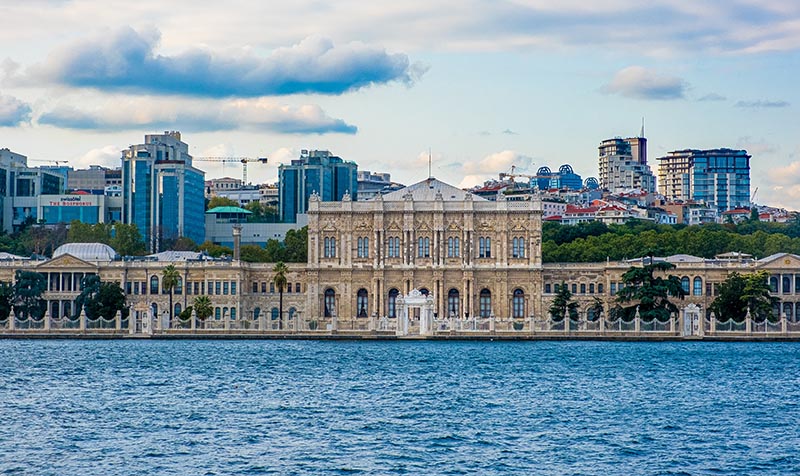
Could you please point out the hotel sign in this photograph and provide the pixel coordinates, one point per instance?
(72, 201)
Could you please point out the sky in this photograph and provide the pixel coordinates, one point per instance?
(476, 85)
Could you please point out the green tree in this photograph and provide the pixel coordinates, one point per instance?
(562, 304)
(296, 245)
(80, 232)
(184, 243)
(649, 292)
(215, 250)
(6, 299)
(261, 213)
(279, 279)
(756, 295)
(170, 278)
(127, 240)
(254, 254)
(215, 202)
(90, 288)
(202, 308)
(729, 303)
(28, 289)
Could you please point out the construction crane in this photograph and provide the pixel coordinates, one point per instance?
(753, 197)
(512, 174)
(229, 160)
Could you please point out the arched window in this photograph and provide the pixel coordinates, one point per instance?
(361, 303)
(773, 284)
(179, 286)
(292, 311)
(225, 312)
(392, 302)
(177, 309)
(484, 247)
(217, 313)
(424, 247)
(453, 303)
(787, 285)
(297, 287)
(256, 313)
(233, 313)
(274, 313)
(485, 302)
(685, 284)
(330, 302)
(153, 307)
(697, 286)
(450, 248)
(574, 288)
(518, 303)
(154, 284)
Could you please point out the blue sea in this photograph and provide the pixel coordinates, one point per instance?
(149, 407)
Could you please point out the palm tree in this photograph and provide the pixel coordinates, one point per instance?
(279, 279)
(169, 281)
(202, 307)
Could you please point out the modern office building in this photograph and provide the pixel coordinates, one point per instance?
(372, 184)
(718, 177)
(163, 193)
(316, 171)
(623, 165)
(20, 187)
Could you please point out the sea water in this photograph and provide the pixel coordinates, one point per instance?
(149, 407)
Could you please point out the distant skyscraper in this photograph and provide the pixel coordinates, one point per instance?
(623, 165)
(315, 171)
(163, 193)
(718, 177)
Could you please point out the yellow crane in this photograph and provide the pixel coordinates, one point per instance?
(229, 160)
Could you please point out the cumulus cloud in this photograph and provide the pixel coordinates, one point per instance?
(107, 156)
(643, 83)
(126, 60)
(475, 173)
(13, 112)
(251, 114)
(761, 104)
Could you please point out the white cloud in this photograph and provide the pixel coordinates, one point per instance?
(126, 113)
(643, 83)
(13, 112)
(107, 156)
(490, 167)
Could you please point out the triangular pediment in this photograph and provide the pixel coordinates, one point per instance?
(430, 190)
(780, 260)
(66, 261)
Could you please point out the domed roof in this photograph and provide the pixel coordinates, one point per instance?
(87, 251)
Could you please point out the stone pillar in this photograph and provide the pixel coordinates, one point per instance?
(237, 241)
(712, 325)
(47, 319)
(491, 323)
(118, 320)
(784, 324)
(193, 325)
(12, 317)
(82, 319)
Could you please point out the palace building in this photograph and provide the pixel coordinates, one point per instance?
(424, 259)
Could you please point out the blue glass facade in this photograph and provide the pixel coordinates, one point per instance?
(65, 214)
(315, 172)
(163, 193)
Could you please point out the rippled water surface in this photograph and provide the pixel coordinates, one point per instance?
(311, 407)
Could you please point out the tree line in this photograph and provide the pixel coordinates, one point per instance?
(596, 242)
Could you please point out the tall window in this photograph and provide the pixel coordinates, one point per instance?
(154, 284)
(362, 250)
(697, 286)
(484, 247)
(424, 247)
(393, 247)
(787, 284)
(179, 286)
(485, 302)
(685, 284)
(392, 302)
(453, 303)
(518, 303)
(453, 248)
(329, 248)
(330, 302)
(361, 302)
(518, 247)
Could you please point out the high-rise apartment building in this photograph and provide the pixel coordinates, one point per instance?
(623, 165)
(316, 171)
(718, 177)
(163, 193)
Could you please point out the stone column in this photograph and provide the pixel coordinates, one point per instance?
(12, 317)
(47, 319)
(118, 320)
(193, 325)
(82, 319)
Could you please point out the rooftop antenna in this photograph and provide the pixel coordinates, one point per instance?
(641, 134)
(429, 163)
